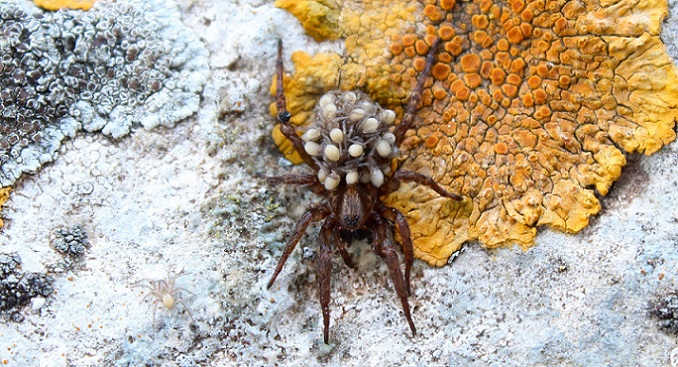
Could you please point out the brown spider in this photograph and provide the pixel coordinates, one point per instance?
(350, 146)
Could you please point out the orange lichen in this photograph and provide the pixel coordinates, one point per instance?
(64, 4)
(4, 196)
(529, 108)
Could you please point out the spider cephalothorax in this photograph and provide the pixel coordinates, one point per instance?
(350, 147)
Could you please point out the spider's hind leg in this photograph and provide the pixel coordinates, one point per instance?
(399, 219)
(325, 272)
(384, 246)
(403, 175)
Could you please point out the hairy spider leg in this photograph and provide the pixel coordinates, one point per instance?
(342, 250)
(155, 307)
(384, 246)
(284, 116)
(415, 98)
(188, 310)
(325, 273)
(292, 179)
(395, 216)
(404, 175)
(296, 179)
(313, 214)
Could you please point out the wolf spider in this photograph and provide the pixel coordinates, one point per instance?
(350, 146)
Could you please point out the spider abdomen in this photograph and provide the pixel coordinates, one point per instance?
(350, 139)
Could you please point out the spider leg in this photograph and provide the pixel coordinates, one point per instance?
(415, 98)
(412, 176)
(292, 179)
(155, 308)
(182, 289)
(384, 247)
(341, 246)
(324, 272)
(398, 218)
(145, 298)
(313, 214)
(187, 310)
(284, 116)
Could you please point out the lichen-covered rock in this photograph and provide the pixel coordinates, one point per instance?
(18, 288)
(64, 4)
(71, 243)
(530, 107)
(118, 64)
(4, 196)
(665, 310)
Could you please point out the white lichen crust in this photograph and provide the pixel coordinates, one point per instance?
(350, 139)
(121, 63)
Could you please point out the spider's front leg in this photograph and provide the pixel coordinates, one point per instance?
(314, 214)
(284, 116)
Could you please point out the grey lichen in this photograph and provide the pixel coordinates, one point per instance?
(18, 288)
(121, 63)
(665, 309)
(71, 243)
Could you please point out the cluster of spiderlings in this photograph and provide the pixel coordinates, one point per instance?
(120, 63)
(72, 243)
(350, 139)
(665, 309)
(16, 288)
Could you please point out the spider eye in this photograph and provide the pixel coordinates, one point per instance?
(351, 221)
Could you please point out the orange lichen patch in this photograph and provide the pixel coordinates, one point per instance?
(528, 113)
(440, 71)
(447, 4)
(64, 4)
(470, 63)
(4, 196)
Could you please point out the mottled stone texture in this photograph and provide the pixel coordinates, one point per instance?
(118, 64)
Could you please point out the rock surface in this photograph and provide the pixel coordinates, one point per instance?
(185, 198)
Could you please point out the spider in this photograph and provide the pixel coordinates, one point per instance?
(164, 291)
(349, 147)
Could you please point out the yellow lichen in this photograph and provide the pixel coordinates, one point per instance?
(529, 107)
(319, 18)
(64, 4)
(4, 196)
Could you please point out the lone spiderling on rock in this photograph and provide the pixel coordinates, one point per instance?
(166, 292)
(350, 147)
